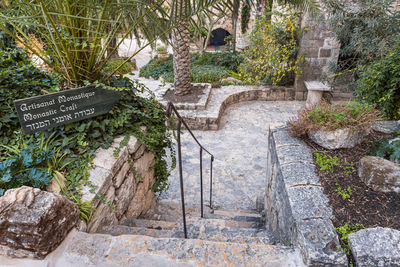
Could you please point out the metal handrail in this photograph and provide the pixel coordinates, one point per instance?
(171, 108)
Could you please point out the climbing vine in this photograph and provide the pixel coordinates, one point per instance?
(245, 15)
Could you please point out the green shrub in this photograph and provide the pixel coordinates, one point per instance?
(366, 33)
(387, 150)
(18, 79)
(379, 85)
(354, 115)
(76, 142)
(114, 64)
(27, 168)
(272, 53)
(208, 74)
(344, 232)
(325, 162)
(205, 68)
(157, 67)
(228, 60)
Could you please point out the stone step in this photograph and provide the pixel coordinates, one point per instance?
(171, 211)
(213, 233)
(131, 250)
(177, 224)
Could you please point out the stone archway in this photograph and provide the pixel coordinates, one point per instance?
(218, 36)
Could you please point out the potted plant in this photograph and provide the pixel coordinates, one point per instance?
(335, 126)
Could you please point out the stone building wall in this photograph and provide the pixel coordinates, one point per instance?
(320, 47)
(123, 184)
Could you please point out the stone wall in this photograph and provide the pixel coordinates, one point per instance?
(123, 184)
(296, 208)
(320, 46)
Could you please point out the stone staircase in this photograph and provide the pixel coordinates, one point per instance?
(221, 238)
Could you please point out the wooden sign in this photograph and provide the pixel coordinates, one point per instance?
(44, 112)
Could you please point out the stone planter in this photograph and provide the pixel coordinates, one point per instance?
(340, 138)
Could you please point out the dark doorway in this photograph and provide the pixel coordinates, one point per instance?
(218, 37)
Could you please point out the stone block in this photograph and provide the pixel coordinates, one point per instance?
(102, 180)
(300, 174)
(293, 154)
(105, 159)
(340, 138)
(376, 247)
(34, 222)
(104, 214)
(144, 163)
(308, 202)
(103, 217)
(139, 152)
(380, 174)
(299, 95)
(283, 137)
(319, 243)
(313, 98)
(386, 126)
(124, 194)
(133, 145)
(120, 176)
(135, 207)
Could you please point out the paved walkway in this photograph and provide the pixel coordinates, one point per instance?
(240, 150)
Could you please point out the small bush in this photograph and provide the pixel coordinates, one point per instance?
(157, 67)
(124, 69)
(272, 53)
(344, 232)
(205, 68)
(387, 150)
(325, 162)
(18, 79)
(228, 60)
(208, 74)
(354, 115)
(379, 85)
(27, 167)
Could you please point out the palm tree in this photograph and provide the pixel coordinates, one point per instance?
(181, 36)
(180, 44)
(181, 12)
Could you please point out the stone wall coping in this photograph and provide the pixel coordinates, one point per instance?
(307, 215)
(316, 86)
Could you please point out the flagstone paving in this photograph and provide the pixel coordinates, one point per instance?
(240, 150)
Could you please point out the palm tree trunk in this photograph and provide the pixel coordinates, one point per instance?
(235, 16)
(181, 56)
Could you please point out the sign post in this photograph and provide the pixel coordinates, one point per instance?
(41, 113)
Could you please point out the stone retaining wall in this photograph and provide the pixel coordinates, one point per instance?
(296, 208)
(276, 93)
(123, 184)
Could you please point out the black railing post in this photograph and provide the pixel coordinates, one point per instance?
(171, 108)
(211, 180)
(181, 175)
(201, 181)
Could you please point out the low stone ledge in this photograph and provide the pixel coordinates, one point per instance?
(122, 184)
(296, 207)
(376, 247)
(209, 119)
(199, 105)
